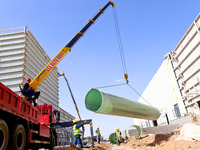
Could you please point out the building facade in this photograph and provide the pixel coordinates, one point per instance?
(175, 88)
(22, 57)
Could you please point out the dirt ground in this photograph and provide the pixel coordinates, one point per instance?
(154, 142)
(161, 141)
(151, 142)
(148, 142)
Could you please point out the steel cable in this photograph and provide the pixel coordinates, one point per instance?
(110, 86)
(119, 41)
(138, 94)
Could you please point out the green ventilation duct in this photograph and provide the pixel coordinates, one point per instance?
(104, 103)
(112, 138)
(138, 129)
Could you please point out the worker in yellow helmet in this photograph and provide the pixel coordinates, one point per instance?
(77, 132)
(118, 136)
(98, 135)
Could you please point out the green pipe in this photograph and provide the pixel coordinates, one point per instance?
(112, 138)
(104, 103)
(138, 129)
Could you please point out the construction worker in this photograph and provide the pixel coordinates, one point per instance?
(26, 86)
(29, 92)
(77, 132)
(118, 136)
(98, 135)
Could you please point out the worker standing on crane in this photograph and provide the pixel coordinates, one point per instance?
(29, 93)
(77, 132)
(118, 136)
(98, 135)
(26, 90)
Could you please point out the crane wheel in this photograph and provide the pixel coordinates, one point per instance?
(19, 137)
(4, 135)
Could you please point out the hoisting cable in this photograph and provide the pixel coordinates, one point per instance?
(120, 45)
(122, 54)
(110, 86)
(120, 50)
(122, 59)
(138, 93)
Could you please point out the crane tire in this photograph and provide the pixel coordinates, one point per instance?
(4, 135)
(19, 137)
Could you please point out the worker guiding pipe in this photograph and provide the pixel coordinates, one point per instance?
(105, 103)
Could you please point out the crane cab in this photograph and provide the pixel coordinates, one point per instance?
(47, 116)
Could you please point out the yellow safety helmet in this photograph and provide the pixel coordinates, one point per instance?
(74, 121)
(97, 127)
(117, 128)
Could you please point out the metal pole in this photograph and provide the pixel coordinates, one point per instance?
(63, 74)
(91, 131)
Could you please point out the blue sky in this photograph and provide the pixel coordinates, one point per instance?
(149, 30)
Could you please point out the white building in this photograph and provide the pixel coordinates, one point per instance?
(175, 88)
(21, 57)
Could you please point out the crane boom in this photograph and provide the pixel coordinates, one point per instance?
(59, 56)
(63, 74)
(76, 107)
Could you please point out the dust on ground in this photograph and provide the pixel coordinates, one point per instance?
(155, 142)
(148, 142)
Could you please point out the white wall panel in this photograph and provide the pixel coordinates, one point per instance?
(12, 36)
(15, 88)
(11, 52)
(163, 93)
(11, 75)
(192, 31)
(12, 46)
(189, 47)
(12, 81)
(11, 57)
(21, 57)
(11, 63)
(192, 81)
(192, 57)
(33, 58)
(179, 83)
(191, 70)
(11, 69)
(189, 57)
(12, 41)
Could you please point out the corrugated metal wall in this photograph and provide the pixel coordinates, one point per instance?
(186, 62)
(21, 57)
(163, 93)
(12, 43)
(175, 88)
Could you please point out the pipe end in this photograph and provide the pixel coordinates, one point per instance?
(93, 100)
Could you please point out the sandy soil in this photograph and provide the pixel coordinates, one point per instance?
(149, 142)
(154, 142)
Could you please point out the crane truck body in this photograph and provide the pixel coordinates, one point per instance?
(23, 126)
